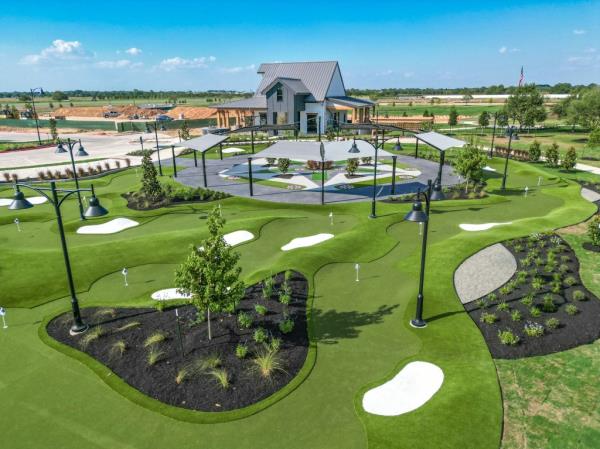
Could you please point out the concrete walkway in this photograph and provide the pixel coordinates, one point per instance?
(590, 195)
(484, 272)
(192, 176)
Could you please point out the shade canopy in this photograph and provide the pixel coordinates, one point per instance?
(440, 141)
(310, 151)
(204, 143)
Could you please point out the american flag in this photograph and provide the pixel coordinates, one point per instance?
(522, 77)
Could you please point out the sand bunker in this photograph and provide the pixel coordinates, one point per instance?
(488, 168)
(110, 227)
(410, 389)
(233, 150)
(302, 242)
(480, 227)
(168, 294)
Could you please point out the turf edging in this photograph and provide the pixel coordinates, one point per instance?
(181, 414)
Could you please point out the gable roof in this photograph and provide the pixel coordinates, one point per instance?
(256, 102)
(295, 85)
(316, 76)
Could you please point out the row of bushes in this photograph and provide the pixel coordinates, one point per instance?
(67, 173)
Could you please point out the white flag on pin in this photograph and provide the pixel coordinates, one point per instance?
(2, 311)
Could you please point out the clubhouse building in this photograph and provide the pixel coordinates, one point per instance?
(308, 95)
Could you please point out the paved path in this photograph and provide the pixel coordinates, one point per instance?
(484, 272)
(590, 195)
(192, 176)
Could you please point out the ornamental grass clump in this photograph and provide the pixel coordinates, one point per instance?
(260, 309)
(221, 376)
(571, 309)
(241, 351)
(503, 307)
(532, 329)
(260, 335)
(488, 318)
(492, 297)
(127, 326)
(267, 362)
(103, 314)
(548, 305)
(527, 300)
(91, 336)
(155, 338)
(154, 355)
(244, 320)
(535, 311)
(286, 326)
(552, 323)
(570, 281)
(117, 349)
(579, 295)
(515, 315)
(182, 374)
(508, 338)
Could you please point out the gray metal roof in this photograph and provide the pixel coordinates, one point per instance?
(311, 150)
(296, 85)
(351, 101)
(203, 143)
(316, 76)
(256, 102)
(440, 141)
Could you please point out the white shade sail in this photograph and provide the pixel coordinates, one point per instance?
(440, 141)
(334, 151)
(204, 143)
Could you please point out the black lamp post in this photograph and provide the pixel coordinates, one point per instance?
(493, 134)
(417, 215)
(322, 151)
(80, 153)
(155, 125)
(511, 130)
(373, 201)
(94, 210)
(37, 127)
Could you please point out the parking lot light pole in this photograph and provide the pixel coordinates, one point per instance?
(160, 172)
(94, 210)
(81, 152)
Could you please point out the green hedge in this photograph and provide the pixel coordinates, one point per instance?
(78, 124)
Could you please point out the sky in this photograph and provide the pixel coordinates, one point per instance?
(160, 45)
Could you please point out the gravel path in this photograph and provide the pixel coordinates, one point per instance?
(484, 272)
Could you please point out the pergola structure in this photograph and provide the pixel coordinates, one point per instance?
(441, 143)
(203, 144)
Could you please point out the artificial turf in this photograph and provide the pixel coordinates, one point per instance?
(360, 328)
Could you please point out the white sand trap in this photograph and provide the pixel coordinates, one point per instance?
(235, 238)
(480, 227)
(167, 294)
(110, 227)
(32, 200)
(233, 150)
(411, 388)
(488, 168)
(302, 242)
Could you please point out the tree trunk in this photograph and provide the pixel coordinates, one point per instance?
(208, 319)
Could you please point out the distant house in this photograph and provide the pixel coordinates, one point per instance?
(310, 94)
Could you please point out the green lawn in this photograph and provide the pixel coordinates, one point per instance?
(418, 109)
(4, 146)
(360, 328)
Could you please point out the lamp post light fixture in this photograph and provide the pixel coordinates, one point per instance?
(354, 148)
(322, 151)
(94, 210)
(80, 153)
(511, 130)
(417, 215)
(37, 126)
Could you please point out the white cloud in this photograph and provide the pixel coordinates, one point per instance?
(579, 60)
(238, 69)
(118, 64)
(502, 50)
(177, 62)
(134, 51)
(579, 32)
(59, 50)
(589, 50)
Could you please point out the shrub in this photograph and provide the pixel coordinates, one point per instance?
(503, 307)
(533, 329)
(241, 351)
(286, 326)
(283, 165)
(579, 295)
(492, 297)
(267, 362)
(154, 355)
(91, 336)
(366, 160)
(267, 289)
(260, 309)
(516, 315)
(508, 338)
(571, 309)
(570, 159)
(260, 335)
(527, 300)
(221, 376)
(535, 311)
(488, 318)
(537, 283)
(271, 161)
(118, 348)
(351, 166)
(552, 155)
(570, 281)
(548, 306)
(594, 230)
(552, 323)
(182, 374)
(535, 151)
(155, 338)
(244, 320)
(480, 303)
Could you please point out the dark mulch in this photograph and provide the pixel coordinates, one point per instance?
(588, 246)
(595, 186)
(452, 193)
(201, 391)
(574, 330)
(137, 202)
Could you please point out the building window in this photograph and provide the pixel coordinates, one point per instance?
(279, 94)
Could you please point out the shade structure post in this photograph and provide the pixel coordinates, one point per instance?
(510, 135)
(195, 159)
(441, 167)
(221, 150)
(78, 325)
(394, 160)
(204, 169)
(417, 149)
(252, 140)
(374, 200)
(250, 176)
(493, 135)
(382, 137)
(174, 161)
(71, 146)
(157, 150)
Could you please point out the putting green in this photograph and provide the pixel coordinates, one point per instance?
(360, 328)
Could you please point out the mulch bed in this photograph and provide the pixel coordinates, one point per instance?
(138, 203)
(594, 186)
(201, 390)
(574, 330)
(588, 246)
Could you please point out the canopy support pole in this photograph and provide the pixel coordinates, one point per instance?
(417, 149)
(374, 202)
(394, 158)
(195, 159)
(439, 176)
(221, 150)
(204, 169)
(174, 161)
(250, 176)
(252, 140)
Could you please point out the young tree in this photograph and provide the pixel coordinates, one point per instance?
(552, 155)
(469, 164)
(283, 164)
(535, 151)
(151, 188)
(53, 131)
(570, 159)
(585, 111)
(351, 166)
(594, 139)
(594, 230)
(210, 273)
(185, 131)
(453, 117)
(484, 119)
(526, 106)
(502, 118)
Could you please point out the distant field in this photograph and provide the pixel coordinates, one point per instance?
(418, 109)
